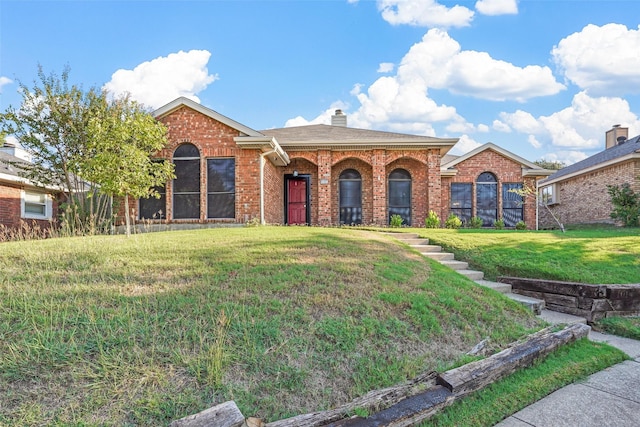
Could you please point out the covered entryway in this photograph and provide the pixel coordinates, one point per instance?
(297, 200)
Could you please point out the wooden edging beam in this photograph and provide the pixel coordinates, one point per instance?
(413, 401)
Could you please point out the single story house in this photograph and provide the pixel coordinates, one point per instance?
(227, 172)
(577, 194)
(22, 201)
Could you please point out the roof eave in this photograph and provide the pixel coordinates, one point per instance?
(628, 157)
(265, 144)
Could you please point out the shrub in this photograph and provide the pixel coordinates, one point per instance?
(521, 225)
(453, 222)
(432, 220)
(498, 224)
(476, 222)
(626, 204)
(396, 221)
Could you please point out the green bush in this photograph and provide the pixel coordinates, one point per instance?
(498, 224)
(521, 225)
(432, 220)
(396, 221)
(453, 222)
(626, 204)
(476, 222)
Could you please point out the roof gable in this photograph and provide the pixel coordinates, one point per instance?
(186, 102)
(490, 146)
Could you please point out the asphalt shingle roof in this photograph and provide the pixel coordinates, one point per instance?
(629, 146)
(5, 164)
(339, 134)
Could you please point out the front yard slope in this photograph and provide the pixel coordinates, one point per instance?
(111, 330)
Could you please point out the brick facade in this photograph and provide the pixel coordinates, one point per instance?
(584, 199)
(322, 167)
(11, 209)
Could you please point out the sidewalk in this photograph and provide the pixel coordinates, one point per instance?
(607, 398)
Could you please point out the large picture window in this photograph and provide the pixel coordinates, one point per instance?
(512, 204)
(186, 185)
(487, 198)
(221, 188)
(399, 195)
(462, 201)
(154, 208)
(350, 194)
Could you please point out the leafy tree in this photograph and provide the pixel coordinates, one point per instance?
(548, 164)
(123, 139)
(626, 204)
(79, 141)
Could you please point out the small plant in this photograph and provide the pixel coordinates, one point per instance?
(626, 204)
(253, 222)
(498, 224)
(476, 222)
(521, 225)
(453, 222)
(432, 220)
(396, 221)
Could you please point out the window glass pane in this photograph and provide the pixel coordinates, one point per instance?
(487, 177)
(399, 174)
(511, 217)
(34, 197)
(187, 176)
(400, 193)
(351, 193)
(221, 205)
(463, 214)
(511, 199)
(405, 213)
(350, 215)
(350, 174)
(186, 206)
(461, 196)
(35, 209)
(186, 150)
(221, 176)
(487, 196)
(153, 208)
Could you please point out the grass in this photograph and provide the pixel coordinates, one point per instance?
(107, 330)
(596, 256)
(628, 327)
(507, 396)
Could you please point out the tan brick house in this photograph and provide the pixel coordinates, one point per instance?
(577, 194)
(227, 172)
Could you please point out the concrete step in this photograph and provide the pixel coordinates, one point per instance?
(557, 318)
(536, 305)
(503, 288)
(402, 236)
(427, 248)
(415, 241)
(456, 265)
(439, 256)
(471, 274)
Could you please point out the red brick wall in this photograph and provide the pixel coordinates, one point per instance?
(505, 170)
(274, 195)
(584, 199)
(9, 205)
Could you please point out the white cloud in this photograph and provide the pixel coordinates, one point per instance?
(501, 126)
(386, 67)
(464, 145)
(534, 142)
(566, 157)
(161, 80)
(581, 126)
(323, 118)
(603, 60)
(441, 63)
(483, 128)
(497, 7)
(4, 81)
(427, 13)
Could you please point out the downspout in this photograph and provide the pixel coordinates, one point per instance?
(262, 162)
(537, 206)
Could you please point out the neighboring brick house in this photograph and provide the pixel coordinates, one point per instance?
(22, 201)
(577, 194)
(227, 172)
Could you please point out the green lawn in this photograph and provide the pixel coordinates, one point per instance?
(628, 327)
(107, 330)
(606, 256)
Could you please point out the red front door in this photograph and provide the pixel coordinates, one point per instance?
(297, 201)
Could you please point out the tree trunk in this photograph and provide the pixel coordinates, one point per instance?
(127, 220)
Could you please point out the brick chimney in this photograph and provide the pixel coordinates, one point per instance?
(616, 135)
(339, 119)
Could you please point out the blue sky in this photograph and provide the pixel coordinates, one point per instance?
(543, 79)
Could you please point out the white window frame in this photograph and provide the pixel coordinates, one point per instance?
(544, 194)
(48, 205)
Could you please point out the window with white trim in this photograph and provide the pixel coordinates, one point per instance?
(35, 205)
(548, 195)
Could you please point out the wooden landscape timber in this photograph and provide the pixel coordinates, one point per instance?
(413, 401)
(593, 302)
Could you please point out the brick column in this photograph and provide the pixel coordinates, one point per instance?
(324, 187)
(379, 184)
(434, 184)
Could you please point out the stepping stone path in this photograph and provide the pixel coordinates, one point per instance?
(448, 259)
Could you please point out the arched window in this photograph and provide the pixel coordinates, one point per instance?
(186, 185)
(487, 198)
(350, 197)
(399, 195)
